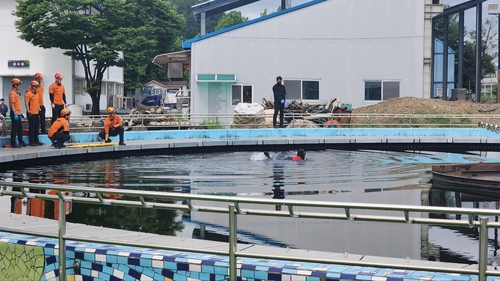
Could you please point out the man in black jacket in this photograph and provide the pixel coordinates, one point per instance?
(279, 101)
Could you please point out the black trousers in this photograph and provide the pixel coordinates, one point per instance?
(278, 107)
(33, 129)
(113, 133)
(56, 111)
(42, 120)
(59, 139)
(16, 129)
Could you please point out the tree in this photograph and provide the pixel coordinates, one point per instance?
(230, 19)
(155, 29)
(92, 32)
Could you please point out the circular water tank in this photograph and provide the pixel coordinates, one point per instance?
(76, 109)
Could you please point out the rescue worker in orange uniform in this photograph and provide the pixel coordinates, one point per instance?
(33, 108)
(113, 127)
(59, 130)
(15, 114)
(57, 95)
(39, 78)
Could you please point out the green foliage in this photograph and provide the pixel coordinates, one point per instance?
(212, 124)
(230, 19)
(155, 29)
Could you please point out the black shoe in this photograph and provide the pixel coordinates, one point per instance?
(107, 141)
(122, 143)
(23, 144)
(61, 146)
(32, 144)
(39, 143)
(15, 146)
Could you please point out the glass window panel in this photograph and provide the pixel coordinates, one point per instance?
(373, 90)
(391, 90)
(310, 90)
(205, 77)
(236, 94)
(293, 89)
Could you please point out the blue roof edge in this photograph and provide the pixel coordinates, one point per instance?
(186, 45)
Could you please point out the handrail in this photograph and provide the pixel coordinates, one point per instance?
(179, 120)
(234, 208)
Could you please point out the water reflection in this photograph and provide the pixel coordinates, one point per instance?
(330, 175)
(463, 242)
(278, 184)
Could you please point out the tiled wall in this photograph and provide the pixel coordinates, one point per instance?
(25, 257)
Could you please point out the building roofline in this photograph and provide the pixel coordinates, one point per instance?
(187, 44)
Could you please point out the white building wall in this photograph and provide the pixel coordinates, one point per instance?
(341, 43)
(45, 61)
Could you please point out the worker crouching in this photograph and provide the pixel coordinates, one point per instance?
(59, 130)
(113, 127)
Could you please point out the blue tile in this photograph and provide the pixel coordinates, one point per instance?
(85, 271)
(319, 273)
(89, 256)
(178, 277)
(104, 276)
(121, 260)
(363, 277)
(313, 278)
(183, 266)
(170, 265)
(134, 273)
(221, 270)
(51, 267)
(148, 272)
(108, 270)
(112, 259)
(261, 268)
(261, 275)
(97, 267)
(347, 276)
(289, 271)
(146, 262)
(50, 260)
(167, 273)
(133, 261)
(204, 276)
(274, 277)
(207, 269)
(70, 255)
(247, 273)
(207, 262)
(48, 251)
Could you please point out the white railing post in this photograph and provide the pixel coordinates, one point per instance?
(232, 243)
(483, 248)
(61, 234)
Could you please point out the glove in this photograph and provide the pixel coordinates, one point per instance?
(282, 101)
(107, 141)
(16, 117)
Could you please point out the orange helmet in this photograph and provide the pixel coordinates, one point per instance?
(15, 81)
(34, 83)
(65, 112)
(110, 110)
(58, 75)
(38, 75)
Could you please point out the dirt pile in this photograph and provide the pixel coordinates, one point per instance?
(411, 105)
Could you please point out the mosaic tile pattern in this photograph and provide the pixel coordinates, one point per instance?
(110, 262)
(19, 261)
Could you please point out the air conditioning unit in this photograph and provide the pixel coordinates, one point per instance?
(88, 107)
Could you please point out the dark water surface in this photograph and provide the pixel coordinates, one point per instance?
(331, 175)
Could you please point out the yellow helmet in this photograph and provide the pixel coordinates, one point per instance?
(110, 110)
(15, 81)
(65, 112)
(34, 83)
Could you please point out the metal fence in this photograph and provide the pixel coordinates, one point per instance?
(238, 206)
(179, 120)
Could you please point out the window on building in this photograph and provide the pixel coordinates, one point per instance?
(381, 90)
(241, 93)
(301, 89)
(79, 86)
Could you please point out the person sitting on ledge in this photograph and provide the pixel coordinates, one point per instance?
(113, 127)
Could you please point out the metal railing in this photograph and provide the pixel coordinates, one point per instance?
(179, 120)
(235, 207)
